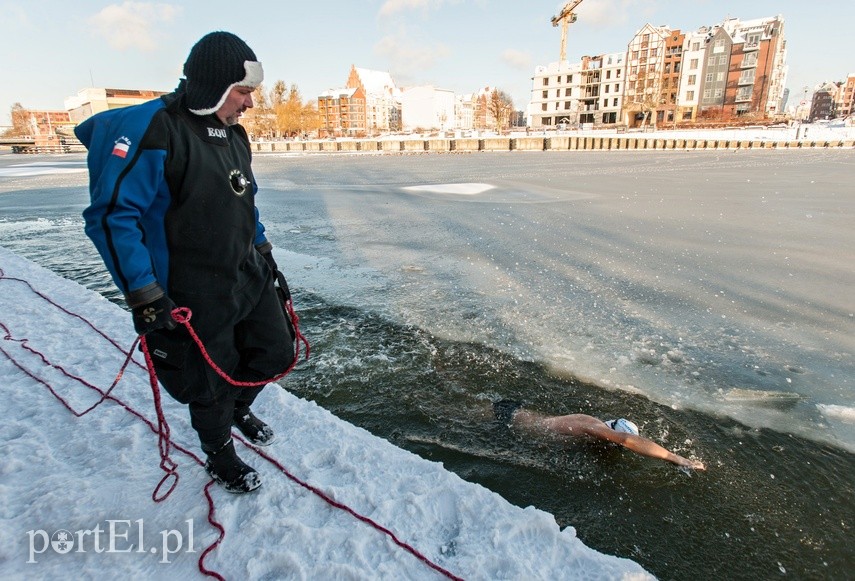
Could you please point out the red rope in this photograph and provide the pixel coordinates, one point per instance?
(331, 501)
(222, 534)
(182, 316)
(105, 395)
(163, 439)
(162, 428)
(24, 343)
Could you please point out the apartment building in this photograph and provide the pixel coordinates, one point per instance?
(555, 93)
(368, 105)
(822, 105)
(612, 85)
(714, 74)
(689, 92)
(590, 79)
(342, 113)
(600, 89)
(734, 70)
(586, 93)
(671, 73)
(645, 76)
(846, 97)
(464, 111)
(757, 74)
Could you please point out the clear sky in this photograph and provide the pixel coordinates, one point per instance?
(50, 49)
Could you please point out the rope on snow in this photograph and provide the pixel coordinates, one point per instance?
(183, 316)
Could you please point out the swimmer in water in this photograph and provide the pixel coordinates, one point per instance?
(620, 431)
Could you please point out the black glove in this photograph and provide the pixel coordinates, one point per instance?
(278, 277)
(268, 258)
(154, 315)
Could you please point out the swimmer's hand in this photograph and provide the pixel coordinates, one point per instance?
(693, 464)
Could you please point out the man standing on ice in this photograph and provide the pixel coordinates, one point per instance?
(173, 216)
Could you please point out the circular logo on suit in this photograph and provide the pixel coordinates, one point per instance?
(238, 182)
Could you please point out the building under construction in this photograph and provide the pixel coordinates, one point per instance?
(730, 73)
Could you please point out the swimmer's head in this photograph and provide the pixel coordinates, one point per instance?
(623, 425)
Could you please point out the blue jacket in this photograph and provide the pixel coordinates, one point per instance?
(172, 201)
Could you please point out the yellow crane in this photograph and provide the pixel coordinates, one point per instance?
(565, 18)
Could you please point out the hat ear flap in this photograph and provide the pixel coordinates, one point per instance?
(254, 74)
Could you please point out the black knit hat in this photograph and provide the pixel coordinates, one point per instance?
(218, 62)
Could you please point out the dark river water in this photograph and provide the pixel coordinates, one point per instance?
(705, 295)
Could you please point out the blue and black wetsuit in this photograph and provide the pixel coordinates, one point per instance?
(173, 211)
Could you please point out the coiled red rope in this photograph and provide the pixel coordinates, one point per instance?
(183, 316)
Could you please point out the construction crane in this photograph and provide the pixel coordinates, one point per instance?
(565, 18)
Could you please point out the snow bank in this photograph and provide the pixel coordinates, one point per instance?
(75, 493)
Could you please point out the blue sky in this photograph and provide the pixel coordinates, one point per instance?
(53, 48)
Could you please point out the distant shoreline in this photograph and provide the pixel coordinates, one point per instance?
(804, 137)
(812, 136)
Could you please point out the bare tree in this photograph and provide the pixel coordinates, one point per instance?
(310, 120)
(291, 117)
(502, 107)
(259, 120)
(280, 112)
(278, 95)
(20, 122)
(645, 96)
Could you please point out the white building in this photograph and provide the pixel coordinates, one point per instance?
(603, 84)
(464, 112)
(555, 92)
(694, 49)
(645, 72)
(588, 92)
(94, 100)
(427, 108)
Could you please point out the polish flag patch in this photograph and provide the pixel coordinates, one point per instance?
(121, 147)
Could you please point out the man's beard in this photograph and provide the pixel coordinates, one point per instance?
(234, 119)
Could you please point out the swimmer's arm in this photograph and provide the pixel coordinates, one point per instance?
(580, 424)
(643, 446)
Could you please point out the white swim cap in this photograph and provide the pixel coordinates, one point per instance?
(623, 425)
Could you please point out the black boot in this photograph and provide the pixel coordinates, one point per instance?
(256, 431)
(231, 472)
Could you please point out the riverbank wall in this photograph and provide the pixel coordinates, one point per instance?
(556, 143)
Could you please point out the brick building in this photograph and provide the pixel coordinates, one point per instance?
(382, 99)
(755, 81)
(822, 106)
(846, 97)
(342, 113)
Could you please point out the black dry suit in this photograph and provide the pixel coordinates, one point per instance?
(173, 209)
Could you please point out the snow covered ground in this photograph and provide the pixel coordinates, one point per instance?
(76, 493)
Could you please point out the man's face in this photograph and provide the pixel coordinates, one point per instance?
(238, 101)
